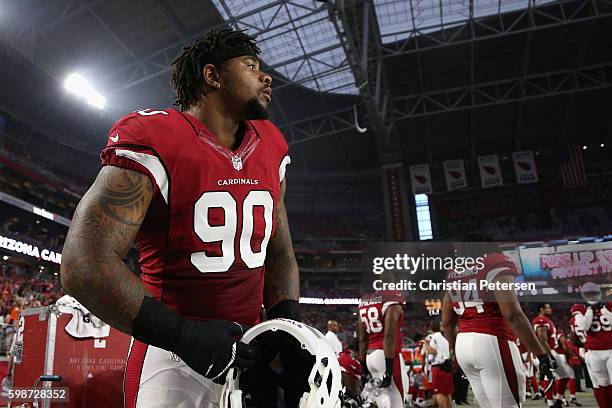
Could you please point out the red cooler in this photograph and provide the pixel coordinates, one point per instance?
(91, 369)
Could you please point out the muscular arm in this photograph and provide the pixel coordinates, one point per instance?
(101, 232)
(519, 324)
(363, 342)
(391, 319)
(282, 279)
(352, 384)
(542, 334)
(449, 323)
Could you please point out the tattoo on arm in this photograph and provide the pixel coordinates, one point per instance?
(122, 197)
(104, 226)
(282, 280)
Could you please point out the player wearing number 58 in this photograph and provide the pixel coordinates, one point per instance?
(200, 191)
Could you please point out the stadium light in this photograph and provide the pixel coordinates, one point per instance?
(602, 145)
(76, 84)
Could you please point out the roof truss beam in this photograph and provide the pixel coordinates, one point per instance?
(503, 91)
(461, 98)
(556, 14)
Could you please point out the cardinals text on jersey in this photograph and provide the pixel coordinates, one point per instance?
(372, 310)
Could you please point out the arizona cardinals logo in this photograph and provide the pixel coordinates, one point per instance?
(420, 179)
(490, 170)
(524, 166)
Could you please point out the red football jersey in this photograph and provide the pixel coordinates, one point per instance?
(544, 321)
(349, 364)
(372, 309)
(580, 334)
(560, 337)
(203, 241)
(599, 335)
(574, 359)
(474, 314)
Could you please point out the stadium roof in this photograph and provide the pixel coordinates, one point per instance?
(431, 80)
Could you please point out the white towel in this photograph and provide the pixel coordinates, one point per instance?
(83, 324)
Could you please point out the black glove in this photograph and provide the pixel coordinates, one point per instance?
(351, 401)
(208, 347)
(595, 306)
(286, 309)
(447, 365)
(547, 367)
(366, 376)
(388, 377)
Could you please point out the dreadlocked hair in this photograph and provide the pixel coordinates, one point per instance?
(188, 68)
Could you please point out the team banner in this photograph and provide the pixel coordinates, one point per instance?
(454, 173)
(525, 167)
(490, 173)
(420, 179)
(568, 262)
(395, 202)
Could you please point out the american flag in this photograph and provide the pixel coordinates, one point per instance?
(572, 166)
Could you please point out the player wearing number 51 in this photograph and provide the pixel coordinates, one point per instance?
(200, 191)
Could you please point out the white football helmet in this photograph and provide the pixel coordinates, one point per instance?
(591, 292)
(322, 377)
(375, 396)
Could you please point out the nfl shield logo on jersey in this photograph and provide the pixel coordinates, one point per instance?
(237, 162)
(174, 358)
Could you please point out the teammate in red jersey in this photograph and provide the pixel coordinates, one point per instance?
(201, 192)
(577, 308)
(381, 316)
(547, 334)
(579, 341)
(351, 375)
(574, 362)
(564, 372)
(484, 342)
(596, 322)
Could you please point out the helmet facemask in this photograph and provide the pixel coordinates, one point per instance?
(591, 292)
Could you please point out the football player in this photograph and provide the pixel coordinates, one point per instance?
(564, 371)
(547, 334)
(484, 341)
(596, 322)
(200, 191)
(381, 316)
(442, 366)
(579, 344)
(351, 375)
